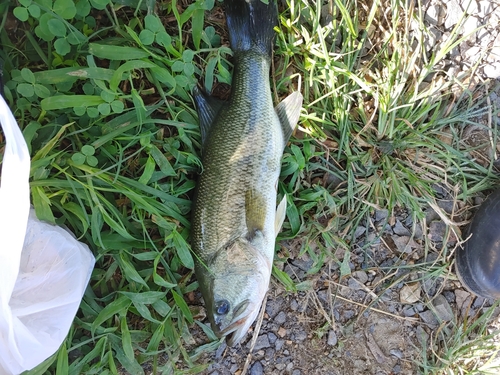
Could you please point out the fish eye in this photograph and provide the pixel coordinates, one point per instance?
(222, 307)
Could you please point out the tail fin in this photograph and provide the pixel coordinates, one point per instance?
(250, 24)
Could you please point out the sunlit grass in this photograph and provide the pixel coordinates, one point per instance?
(378, 130)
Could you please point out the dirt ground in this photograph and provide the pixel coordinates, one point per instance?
(375, 320)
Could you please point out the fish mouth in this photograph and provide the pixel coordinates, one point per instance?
(235, 331)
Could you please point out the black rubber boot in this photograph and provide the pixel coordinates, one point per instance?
(478, 261)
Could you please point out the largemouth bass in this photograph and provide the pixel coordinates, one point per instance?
(234, 216)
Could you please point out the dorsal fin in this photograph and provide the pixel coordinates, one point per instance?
(207, 108)
(288, 112)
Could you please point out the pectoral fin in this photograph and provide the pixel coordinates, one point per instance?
(207, 108)
(288, 112)
(255, 211)
(280, 216)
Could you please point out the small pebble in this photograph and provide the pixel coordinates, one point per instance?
(300, 336)
(279, 344)
(332, 338)
(257, 369)
(280, 318)
(272, 338)
(261, 343)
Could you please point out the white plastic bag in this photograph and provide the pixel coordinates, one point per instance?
(44, 270)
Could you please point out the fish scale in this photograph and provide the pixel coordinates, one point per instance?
(234, 226)
(239, 154)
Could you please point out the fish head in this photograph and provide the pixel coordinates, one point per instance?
(239, 282)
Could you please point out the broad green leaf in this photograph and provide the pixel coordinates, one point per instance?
(78, 158)
(177, 66)
(42, 30)
(293, 215)
(92, 161)
(162, 161)
(126, 339)
(299, 157)
(197, 26)
(129, 65)
(28, 75)
(57, 27)
(149, 168)
(62, 46)
(187, 56)
(26, 89)
(182, 250)
(88, 150)
(41, 203)
(146, 298)
(143, 310)
(164, 76)
(210, 73)
(92, 112)
(80, 111)
(21, 13)
(65, 8)
(156, 339)
(70, 101)
(153, 23)
(107, 96)
(147, 37)
(82, 8)
(62, 361)
(164, 39)
(116, 307)
(188, 69)
(111, 52)
(162, 308)
(139, 106)
(104, 109)
(99, 4)
(75, 37)
(34, 10)
(129, 270)
(285, 279)
(117, 106)
(41, 91)
(179, 301)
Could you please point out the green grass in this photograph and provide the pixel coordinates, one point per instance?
(101, 92)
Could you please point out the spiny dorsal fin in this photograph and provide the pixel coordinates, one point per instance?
(288, 112)
(255, 213)
(280, 216)
(207, 108)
